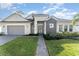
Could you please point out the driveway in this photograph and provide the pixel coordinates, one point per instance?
(5, 39)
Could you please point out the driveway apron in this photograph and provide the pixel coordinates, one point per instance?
(5, 39)
(41, 48)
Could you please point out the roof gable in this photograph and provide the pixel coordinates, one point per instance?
(15, 17)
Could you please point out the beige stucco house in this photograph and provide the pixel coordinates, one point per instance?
(16, 24)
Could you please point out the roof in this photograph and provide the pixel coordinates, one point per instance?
(31, 16)
(61, 20)
(24, 19)
(44, 15)
(64, 20)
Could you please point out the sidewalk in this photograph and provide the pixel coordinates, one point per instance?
(41, 48)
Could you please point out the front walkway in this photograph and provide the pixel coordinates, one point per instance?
(41, 48)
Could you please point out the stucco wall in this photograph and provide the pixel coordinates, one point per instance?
(39, 18)
(67, 23)
(62, 23)
(27, 27)
(51, 30)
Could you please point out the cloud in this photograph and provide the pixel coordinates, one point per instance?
(55, 4)
(8, 6)
(65, 14)
(44, 7)
(5, 5)
(48, 10)
(30, 12)
(51, 7)
(59, 11)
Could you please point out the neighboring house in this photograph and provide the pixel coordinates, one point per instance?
(16, 24)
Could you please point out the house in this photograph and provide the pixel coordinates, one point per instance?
(16, 24)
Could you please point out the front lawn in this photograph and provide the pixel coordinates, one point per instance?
(63, 47)
(21, 46)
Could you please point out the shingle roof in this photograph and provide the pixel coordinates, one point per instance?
(37, 15)
(14, 14)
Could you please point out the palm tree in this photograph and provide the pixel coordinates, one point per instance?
(75, 19)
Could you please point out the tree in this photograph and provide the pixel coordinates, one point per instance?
(75, 19)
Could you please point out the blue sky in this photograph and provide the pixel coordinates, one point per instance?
(60, 10)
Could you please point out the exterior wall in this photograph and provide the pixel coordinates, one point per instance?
(51, 30)
(76, 27)
(27, 27)
(63, 23)
(1, 29)
(32, 28)
(44, 27)
(35, 26)
(36, 19)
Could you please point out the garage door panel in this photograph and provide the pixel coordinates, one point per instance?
(16, 30)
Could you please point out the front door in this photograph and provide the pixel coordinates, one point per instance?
(40, 28)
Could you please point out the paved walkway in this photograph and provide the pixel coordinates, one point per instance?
(41, 48)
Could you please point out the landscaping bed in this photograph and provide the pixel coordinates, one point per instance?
(21, 46)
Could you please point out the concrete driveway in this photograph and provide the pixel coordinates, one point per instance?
(5, 39)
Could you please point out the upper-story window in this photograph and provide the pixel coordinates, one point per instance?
(65, 28)
(60, 28)
(51, 25)
(70, 28)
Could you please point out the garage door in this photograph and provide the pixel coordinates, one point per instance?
(16, 30)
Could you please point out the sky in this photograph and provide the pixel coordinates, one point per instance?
(59, 10)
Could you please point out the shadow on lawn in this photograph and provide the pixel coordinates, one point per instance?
(55, 47)
(57, 50)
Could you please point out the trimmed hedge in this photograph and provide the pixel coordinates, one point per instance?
(64, 35)
(55, 37)
(2, 34)
(32, 35)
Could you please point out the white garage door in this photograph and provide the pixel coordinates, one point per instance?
(16, 30)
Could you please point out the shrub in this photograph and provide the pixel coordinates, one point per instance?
(47, 37)
(1, 33)
(53, 37)
(64, 35)
(67, 34)
(32, 35)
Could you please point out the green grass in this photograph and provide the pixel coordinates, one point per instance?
(21, 46)
(63, 47)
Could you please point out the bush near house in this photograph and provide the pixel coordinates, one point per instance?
(55, 36)
(1, 33)
(64, 35)
(68, 34)
(32, 35)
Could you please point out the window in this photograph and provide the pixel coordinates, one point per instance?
(60, 28)
(70, 28)
(65, 28)
(51, 25)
